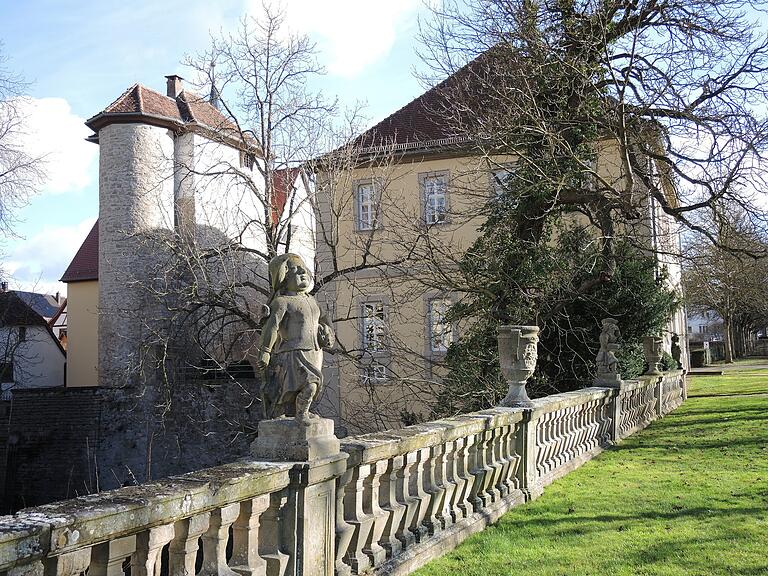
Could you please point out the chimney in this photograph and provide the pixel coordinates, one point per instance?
(173, 85)
(3, 286)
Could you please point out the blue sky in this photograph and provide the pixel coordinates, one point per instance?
(78, 56)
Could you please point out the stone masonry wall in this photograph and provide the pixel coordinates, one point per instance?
(66, 442)
(135, 200)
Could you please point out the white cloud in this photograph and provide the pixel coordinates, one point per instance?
(352, 34)
(38, 263)
(52, 131)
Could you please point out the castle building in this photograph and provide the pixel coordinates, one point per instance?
(420, 183)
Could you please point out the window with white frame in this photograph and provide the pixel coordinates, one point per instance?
(435, 189)
(440, 330)
(374, 372)
(366, 206)
(373, 326)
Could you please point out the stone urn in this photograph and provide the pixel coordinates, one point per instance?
(652, 350)
(517, 356)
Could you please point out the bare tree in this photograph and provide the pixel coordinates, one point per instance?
(288, 190)
(20, 173)
(679, 87)
(728, 282)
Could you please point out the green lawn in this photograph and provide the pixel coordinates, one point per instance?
(688, 496)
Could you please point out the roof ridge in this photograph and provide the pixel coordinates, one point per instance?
(139, 98)
(123, 95)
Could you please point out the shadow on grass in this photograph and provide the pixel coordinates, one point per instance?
(618, 522)
(728, 395)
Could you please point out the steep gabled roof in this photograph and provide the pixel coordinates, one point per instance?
(422, 122)
(15, 312)
(85, 264)
(43, 304)
(185, 111)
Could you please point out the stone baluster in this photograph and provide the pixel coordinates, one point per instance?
(394, 505)
(543, 445)
(574, 433)
(374, 511)
(514, 441)
(146, 560)
(477, 469)
(450, 482)
(407, 499)
(344, 531)
(465, 480)
(434, 473)
(483, 493)
(497, 462)
(69, 564)
(356, 517)
(270, 540)
(215, 541)
(107, 558)
(569, 434)
(245, 538)
(418, 491)
(182, 551)
(506, 483)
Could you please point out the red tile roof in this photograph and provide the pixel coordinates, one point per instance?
(140, 103)
(85, 264)
(432, 118)
(282, 185)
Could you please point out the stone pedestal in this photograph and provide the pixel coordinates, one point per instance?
(307, 520)
(608, 381)
(288, 440)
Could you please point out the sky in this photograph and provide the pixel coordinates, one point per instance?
(78, 56)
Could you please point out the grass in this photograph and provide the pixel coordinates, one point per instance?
(686, 496)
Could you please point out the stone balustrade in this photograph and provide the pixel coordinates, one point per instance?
(396, 499)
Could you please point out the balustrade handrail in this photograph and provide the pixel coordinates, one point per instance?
(68, 525)
(398, 495)
(369, 448)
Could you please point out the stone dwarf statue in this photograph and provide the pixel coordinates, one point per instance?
(676, 351)
(292, 342)
(607, 363)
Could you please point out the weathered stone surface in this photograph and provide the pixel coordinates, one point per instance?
(292, 341)
(517, 356)
(400, 499)
(606, 361)
(291, 440)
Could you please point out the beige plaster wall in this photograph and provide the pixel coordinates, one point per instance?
(82, 333)
(415, 370)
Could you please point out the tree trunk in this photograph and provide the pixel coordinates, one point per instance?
(728, 340)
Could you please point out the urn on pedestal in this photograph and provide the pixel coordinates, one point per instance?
(517, 356)
(652, 349)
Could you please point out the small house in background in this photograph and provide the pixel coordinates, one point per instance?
(82, 319)
(30, 354)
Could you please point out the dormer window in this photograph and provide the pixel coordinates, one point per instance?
(247, 160)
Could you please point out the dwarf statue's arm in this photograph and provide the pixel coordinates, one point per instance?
(270, 331)
(325, 334)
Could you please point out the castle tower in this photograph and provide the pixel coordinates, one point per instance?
(152, 147)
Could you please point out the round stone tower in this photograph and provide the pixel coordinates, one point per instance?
(135, 207)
